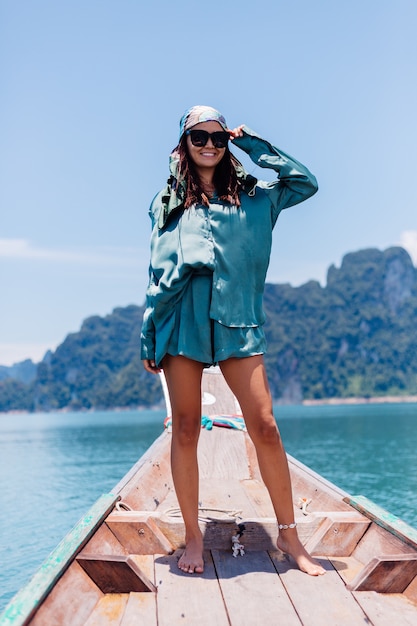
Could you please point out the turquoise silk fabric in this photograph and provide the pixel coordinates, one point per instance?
(233, 243)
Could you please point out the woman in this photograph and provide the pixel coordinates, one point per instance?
(210, 249)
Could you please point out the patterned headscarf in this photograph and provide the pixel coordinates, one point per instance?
(200, 113)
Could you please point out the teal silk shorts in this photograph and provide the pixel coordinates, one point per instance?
(187, 330)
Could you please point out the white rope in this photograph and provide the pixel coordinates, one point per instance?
(230, 516)
(122, 506)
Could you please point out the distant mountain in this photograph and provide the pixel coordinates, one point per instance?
(357, 336)
(99, 366)
(25, 371)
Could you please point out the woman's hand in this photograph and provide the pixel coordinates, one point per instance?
(150, 366)
(236, 132)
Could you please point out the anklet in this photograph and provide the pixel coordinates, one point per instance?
(285, 526)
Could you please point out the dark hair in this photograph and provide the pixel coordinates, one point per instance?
(225, 178)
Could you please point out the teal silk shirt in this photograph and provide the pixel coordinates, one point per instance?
(232, 242)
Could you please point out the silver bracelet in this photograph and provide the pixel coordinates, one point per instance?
(285, 526)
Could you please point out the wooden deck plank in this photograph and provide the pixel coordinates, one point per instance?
(377, 541)
(220, 453)
(141, 606)
(158, 449)
(259, 497)
(217, 397)
(228, 495)
(169, 502)
(306, 483)
(386, 520)
(411, 592)
(252, 590)
(62, 607)
(149, 480)
(386, 609)
(140, 609)
(109, 611)
(103, 542)
(347, 567)
(185, 598)
(319, 600)
(145, 563)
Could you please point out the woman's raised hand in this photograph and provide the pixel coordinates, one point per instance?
(236, 132)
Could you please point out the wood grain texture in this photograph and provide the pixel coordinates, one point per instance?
(386, 610)
(252, 590)
(70, 602)
(378, 542)
(306, 483)
(115, 574)
(388, 574)
(187, 599)
(411, 592)
(221, 454)
(338, 534)
(259, 497)
(347, 567)
(138, 533)
(103, 542)
(319, 600)
(109, 611)
(215, 387)
(140, 610)
(149, 480)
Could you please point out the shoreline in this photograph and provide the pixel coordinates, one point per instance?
(359, 400)
(277, 402)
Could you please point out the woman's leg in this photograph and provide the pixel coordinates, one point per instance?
(183, 377)
(247, 379)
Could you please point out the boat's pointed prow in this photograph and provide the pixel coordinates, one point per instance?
(124, 569)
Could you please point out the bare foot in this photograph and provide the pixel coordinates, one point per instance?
(290, 543)
(191, 560)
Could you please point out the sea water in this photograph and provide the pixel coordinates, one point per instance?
(54, 466)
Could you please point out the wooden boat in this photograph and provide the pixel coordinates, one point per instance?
(118, 566)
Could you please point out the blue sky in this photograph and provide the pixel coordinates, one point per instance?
(91, 96)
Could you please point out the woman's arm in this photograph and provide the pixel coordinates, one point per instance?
(147, 338)
(147, 335)
(295, 182)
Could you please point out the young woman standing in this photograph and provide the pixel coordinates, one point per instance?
(210, 249)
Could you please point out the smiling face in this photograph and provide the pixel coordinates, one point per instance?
(207, 157)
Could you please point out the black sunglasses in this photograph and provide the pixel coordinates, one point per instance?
(199, 138)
